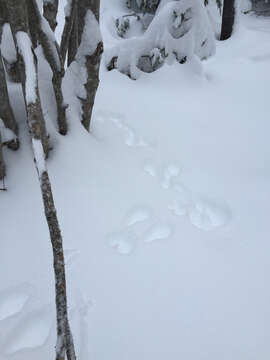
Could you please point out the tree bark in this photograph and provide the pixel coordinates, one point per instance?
(228, 19)
(6, 113)
(50, 9)
(73, 41)
(18, 18)
(69, 19)
(52, 54)
(92, 61)
(36, 127)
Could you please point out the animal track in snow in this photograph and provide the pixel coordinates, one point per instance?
(158, 232)
(131, 138)
(13, 300)
(167, 174)
(138, 214)
(170, 172)
(123, 242)
(31, 332)
(207, 216)
(140, 225)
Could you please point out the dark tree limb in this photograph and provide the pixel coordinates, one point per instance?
(73, 40)
(228, 19)
(50, 9)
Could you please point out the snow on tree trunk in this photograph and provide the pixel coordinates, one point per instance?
(6, 113)
(70, 13)
(52, 54)
(28, 68)
(228, 19)
(89, 55)
(50, 9)
(36, 126)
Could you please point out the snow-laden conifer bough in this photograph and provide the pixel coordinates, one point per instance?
(29, 27)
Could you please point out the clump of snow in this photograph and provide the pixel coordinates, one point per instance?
(7, 45)
(39, 155)
(180, 30)
(7, 134)
(91, 37)
(25, 49)
(51, 41)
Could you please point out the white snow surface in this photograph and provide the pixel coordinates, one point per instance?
(167, 244)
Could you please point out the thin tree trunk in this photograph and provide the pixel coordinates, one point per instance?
(50, 9)
(73, 41)
(52, 55)
(6, 113)
(18, 18)
(36, 125)
(92, 60)
(69, 19)
(228, 19)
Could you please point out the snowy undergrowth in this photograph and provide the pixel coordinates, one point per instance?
(164, 209)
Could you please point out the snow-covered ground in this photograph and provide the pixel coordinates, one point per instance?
(164, 209)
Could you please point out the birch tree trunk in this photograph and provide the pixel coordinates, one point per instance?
(18, 17)
(35, 121)
(50, 9)
(6, 113)
(69, 19)
(228, 19)
(52, 54)
(88, 13)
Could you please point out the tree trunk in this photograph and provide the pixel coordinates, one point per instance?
(6, 113)
(228, 19)
(73, 41)
(50, 9)
(18, 18)
(52, 54)
(69, 19)
(91, 60)
(36, 126)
